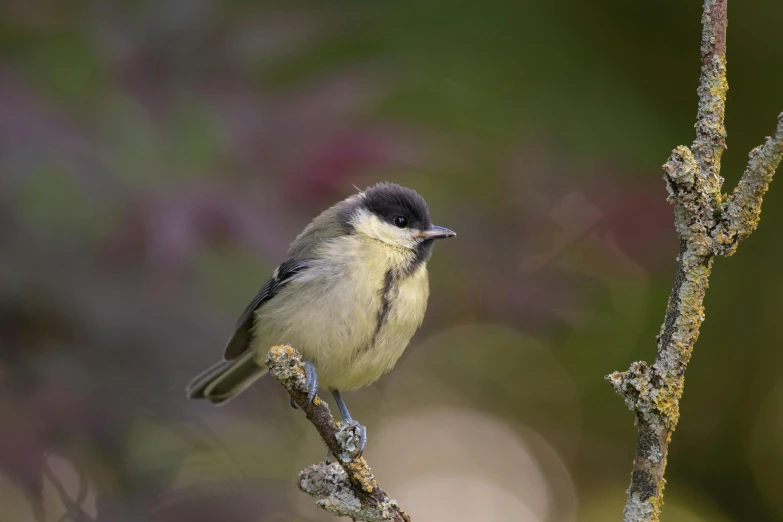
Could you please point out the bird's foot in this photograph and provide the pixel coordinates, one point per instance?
(293, 404)
(311, 380)
(363, 439)
(348, 422)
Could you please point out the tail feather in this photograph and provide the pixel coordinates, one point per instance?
(226, 379)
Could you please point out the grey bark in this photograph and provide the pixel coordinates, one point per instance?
(346, 487)
(709, 224)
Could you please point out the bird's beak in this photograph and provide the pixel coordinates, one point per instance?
(435, 232)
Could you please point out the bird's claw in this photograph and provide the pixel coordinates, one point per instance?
(350, 422)
(293, 404)
(311, 380)
(363, 442)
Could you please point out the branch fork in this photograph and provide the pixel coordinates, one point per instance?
(344, 488)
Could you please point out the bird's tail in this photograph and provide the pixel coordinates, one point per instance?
(226, 379)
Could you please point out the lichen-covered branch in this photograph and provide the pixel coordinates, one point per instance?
(708, 224)
(347, 487)
(710, 131)
(740, 214)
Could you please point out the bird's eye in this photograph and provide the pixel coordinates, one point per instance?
(401, 221)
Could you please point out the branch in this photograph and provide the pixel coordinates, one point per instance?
(347, 488)
(710, 131)
(708, 224)
(742, 212)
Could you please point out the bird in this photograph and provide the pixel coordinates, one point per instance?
(349, 297)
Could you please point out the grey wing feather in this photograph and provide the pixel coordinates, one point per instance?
(240, 339)
(331, 223)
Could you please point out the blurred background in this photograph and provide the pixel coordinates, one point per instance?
(157, 157)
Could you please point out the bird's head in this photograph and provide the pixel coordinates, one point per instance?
(397, 216)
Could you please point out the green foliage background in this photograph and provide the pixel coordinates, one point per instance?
(156, 158)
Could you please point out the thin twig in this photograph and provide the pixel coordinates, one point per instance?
(742, 211)
(74, 509)
(346, 488)
(709, 224)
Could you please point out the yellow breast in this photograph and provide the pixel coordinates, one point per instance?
(330, 313)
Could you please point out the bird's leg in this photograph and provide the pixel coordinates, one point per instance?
(311, 380)
(341, 404)
(347, 418)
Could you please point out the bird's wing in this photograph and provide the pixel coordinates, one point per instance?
(240, 340)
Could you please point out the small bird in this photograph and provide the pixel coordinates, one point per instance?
(350, 296)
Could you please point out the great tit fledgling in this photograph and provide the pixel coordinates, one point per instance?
(349, 297)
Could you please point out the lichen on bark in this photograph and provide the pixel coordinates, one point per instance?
(709, 224)
(348, 487)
